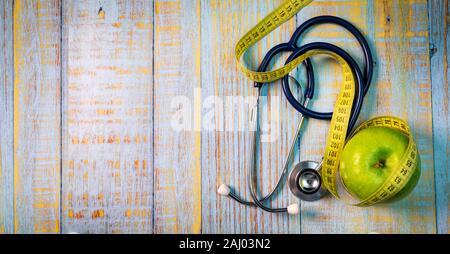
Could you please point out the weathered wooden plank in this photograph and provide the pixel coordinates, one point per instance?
(440, 71)
(107, 124)
(6, 118)
(108, 175)
(226, 148)
(398, 33)
(177, 117)
(390, 26)
(37, 116)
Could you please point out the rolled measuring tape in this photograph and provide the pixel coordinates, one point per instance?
(337, 135)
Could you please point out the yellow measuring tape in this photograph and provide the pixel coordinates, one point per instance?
(341, 116)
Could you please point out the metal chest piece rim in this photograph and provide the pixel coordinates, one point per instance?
(305, 181)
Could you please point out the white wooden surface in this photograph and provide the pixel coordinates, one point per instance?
(87, 93)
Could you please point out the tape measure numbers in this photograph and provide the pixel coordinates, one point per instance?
(276, 18)
(339, 124)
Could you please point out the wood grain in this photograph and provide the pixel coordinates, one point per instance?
(107, 149)
(225, 152)
(398, 34)
(37, 30)
(440, 71)
(177, 93)
(6, 118)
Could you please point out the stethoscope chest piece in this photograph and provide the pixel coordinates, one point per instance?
(305, 181)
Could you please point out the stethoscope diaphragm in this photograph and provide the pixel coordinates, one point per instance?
(305, 181)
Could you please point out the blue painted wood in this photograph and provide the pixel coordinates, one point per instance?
(225, 152)
(177, 96)
(37, 136)
(397, 33)
(440, 72)
(6, 118)
(107, 126)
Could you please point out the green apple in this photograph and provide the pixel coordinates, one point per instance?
(369, 158)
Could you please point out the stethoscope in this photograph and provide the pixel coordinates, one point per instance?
(305, 180)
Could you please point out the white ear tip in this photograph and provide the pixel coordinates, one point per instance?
(293, 209)
(224, 190)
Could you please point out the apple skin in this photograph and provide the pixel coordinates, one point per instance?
(369, 158)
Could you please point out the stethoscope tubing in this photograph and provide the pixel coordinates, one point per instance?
(362, 86)
(368, 58)
(355, 113)
(288, 47)
(368, 65)
(259, 201)
(359, 98)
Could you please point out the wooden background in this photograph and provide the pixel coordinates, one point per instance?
(86, 141)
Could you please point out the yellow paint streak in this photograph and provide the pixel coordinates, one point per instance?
(43, 189)
(21, 28)
(45, 205)
(2, 229)
(144, 71)
(101, 15)
(142, 25)
(167, 7)
(197, 224)
(128, 213)
(98, 214)
(17, 64)
(70, 214)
